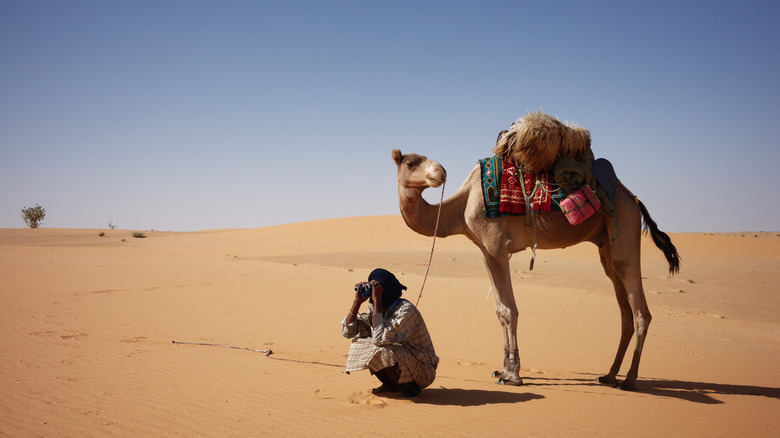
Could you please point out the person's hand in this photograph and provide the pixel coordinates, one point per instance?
(376, 294)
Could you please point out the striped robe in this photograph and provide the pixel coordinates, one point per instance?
(398, 336)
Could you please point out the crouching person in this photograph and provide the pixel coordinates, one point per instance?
(390, 339)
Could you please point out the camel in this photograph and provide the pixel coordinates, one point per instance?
(498, 238)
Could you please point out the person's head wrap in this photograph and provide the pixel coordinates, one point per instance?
(391, 287)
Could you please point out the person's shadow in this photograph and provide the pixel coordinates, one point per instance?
(472, 397)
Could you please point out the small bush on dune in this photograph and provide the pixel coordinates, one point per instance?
(33, 216)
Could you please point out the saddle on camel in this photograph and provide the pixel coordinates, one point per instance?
(550, 166)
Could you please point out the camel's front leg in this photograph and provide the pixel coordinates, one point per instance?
(506, 310)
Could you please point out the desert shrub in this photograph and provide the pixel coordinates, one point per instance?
(33, 216)
(139, 235)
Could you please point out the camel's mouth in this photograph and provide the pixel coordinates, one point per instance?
(433, 182)
(436, 176)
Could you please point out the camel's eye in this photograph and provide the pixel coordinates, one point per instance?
(409, 165)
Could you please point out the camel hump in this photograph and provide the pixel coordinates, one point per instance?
(537, 140)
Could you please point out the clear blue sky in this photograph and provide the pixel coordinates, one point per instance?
(191, 115)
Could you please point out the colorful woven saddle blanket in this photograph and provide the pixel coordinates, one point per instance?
(504, 188)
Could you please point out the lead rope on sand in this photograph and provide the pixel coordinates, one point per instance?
(435, 231)
(268, 353)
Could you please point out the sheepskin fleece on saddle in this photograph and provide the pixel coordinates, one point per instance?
(537, 139)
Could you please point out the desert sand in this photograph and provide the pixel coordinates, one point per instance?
(88, 324)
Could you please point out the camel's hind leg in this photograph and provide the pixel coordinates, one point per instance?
(642, 318)
(621, 260)
(506, 310)
(626, 317)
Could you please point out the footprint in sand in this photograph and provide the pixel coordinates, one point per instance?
(46, 333)
(366, 399)
(469, 364)
(320, 395)
(68, 379)
(71, 361)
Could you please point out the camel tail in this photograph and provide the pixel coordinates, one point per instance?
(661, 240)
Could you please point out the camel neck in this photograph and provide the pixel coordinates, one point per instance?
(420, 216)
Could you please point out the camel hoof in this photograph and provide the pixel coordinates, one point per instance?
(611, 380)
(608, 380)
(510, 382)
(499, 374)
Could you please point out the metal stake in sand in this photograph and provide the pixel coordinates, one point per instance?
(435, 232)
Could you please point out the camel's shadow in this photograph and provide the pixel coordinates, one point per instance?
(697, 392)
(701, 392)
(472, 397)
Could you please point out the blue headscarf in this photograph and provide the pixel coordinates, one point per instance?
(391, 287)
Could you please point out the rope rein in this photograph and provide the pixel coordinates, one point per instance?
(433, 246)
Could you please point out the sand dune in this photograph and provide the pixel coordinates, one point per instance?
(88, 323)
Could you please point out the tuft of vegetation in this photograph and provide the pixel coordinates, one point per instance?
(138, 235)
(101, 234)
(111, 224)
(33, 216)
(691, 281)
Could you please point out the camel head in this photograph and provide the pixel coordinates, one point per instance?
(417, 171)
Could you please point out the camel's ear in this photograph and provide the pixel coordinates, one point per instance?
(397, 157)
(501, 134)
